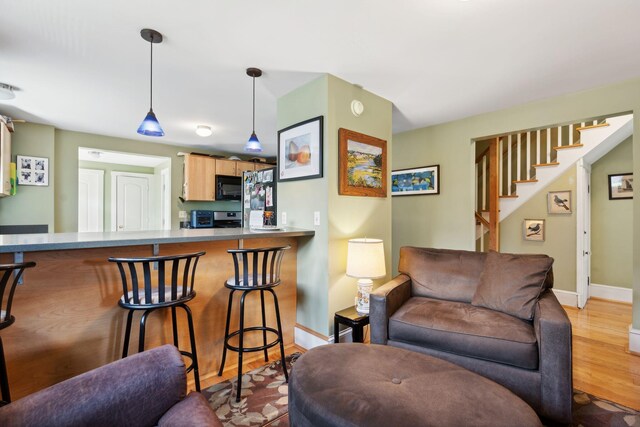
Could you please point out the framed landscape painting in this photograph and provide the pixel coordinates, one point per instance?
(362, 164)
(621, 186)
(415, 181)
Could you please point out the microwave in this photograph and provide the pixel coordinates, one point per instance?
(228, 187)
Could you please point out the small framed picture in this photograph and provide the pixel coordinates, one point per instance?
(534, 230)
(33, 170)
(621, 186)
(559, 202)
(414, 181)
(300, 150)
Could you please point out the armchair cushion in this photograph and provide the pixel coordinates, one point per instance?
(513, 283)
(466, 330)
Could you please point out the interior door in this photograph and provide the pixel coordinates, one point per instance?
(583, 223)
(90, 200)
(132, 202)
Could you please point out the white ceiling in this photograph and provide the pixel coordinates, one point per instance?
(82, 65)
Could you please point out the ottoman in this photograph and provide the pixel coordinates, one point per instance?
(377, 385)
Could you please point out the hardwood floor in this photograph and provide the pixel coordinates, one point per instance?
(602, 364)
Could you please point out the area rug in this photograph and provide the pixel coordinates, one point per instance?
(265, 398)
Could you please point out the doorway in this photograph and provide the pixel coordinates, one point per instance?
(130, 200)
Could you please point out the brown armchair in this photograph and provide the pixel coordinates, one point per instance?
(494, 314)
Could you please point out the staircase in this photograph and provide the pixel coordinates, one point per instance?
(516, 166)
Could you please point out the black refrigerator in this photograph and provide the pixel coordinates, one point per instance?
(259, 194)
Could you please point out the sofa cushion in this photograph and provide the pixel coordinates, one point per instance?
(466, 330)
(512, 283)
(442, 273)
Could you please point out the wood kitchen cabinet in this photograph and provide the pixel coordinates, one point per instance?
(244, 166)
(199, 178)
(259, 166)
(225, 167)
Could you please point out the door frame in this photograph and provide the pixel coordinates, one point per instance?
(583, 231)
(114, 194)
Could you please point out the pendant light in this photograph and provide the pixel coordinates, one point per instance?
(150, 125)
(253, 144)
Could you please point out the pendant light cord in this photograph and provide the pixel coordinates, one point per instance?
(254, 105)
(151, 79)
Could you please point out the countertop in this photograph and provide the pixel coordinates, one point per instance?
(60, 241)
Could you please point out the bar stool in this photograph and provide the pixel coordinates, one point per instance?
(173, 287)
(7, 289)
(255, 270)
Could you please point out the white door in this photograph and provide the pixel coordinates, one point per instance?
(90, 200)
(583, 228)
(131, 202)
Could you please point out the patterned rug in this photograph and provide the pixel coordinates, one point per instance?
(265, 398)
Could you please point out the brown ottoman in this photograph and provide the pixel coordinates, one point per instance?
(377, 385)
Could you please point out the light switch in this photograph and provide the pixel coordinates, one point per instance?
(182, 214)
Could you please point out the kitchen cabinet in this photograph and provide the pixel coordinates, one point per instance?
(225, 167)
(244, 166)
(260, 166)
(199, 178)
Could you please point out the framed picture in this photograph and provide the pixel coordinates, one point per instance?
(362, 164)
(33, 170)
(534, 230)
(300, 150)
(559, 202)
(621, 186)
(413, 181)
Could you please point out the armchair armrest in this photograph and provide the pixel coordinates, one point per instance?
(384, 301)
(553, 332)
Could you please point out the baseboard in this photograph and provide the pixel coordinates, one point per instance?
(567, 298)
(613, 293)
(308, 339)
(634, 340)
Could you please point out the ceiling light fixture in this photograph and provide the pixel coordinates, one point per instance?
(150, 125)
(6, 91)
(203, 130)
(253, 144)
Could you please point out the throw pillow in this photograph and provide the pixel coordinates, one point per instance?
(512, 283)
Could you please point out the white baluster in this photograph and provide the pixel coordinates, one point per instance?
(509, 165)
(570, 135)
(538, 143)
(559, 138)
(528, 158)
(548, 146)
(519, 157)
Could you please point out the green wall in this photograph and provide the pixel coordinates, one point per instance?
(611, 221)
(31, 204)
(446, 220)
(560, 233)
(323, 287)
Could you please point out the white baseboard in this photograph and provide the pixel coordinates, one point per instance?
(634, 340)
(613, 293)
(568, 298)
(307, 340)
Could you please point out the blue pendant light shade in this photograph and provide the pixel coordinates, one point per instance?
(150, 125)
(253, 144)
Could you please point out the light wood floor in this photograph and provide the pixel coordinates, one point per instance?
(602, 364)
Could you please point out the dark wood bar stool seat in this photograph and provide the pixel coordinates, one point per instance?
(10, 275)
(158, 282)
(255, 270)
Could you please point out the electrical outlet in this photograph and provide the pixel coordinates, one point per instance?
(182, 214)
(316, 218)
(284, 218)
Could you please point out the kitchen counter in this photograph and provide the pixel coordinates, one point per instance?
(57, 241)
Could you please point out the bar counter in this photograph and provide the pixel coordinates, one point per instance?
(67, 316)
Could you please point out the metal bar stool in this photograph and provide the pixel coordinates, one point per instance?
(255, 270)
(11, 274)
(141, 292)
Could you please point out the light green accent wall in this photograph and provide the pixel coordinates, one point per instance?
(446, 220)
(31, 204)
(108, 168)
(323, 287)
(560, 233)
(611, 220)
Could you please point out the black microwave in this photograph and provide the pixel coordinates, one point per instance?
(228, 187)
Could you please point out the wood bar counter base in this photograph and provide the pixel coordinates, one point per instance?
(70, 321)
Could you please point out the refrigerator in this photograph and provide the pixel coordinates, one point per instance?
(259, 199)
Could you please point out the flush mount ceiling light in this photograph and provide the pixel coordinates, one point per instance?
(253, 144)
(203, 130)
(6, 91)
(150, 125)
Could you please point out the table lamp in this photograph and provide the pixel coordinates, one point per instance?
(365, 261)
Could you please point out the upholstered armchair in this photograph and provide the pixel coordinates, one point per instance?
(145, 389)
(492, 313)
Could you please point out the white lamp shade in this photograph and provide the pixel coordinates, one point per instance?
(365, 259)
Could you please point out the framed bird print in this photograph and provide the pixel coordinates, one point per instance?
(559, 202)
(534, 230)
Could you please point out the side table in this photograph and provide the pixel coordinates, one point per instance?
(350, 317)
